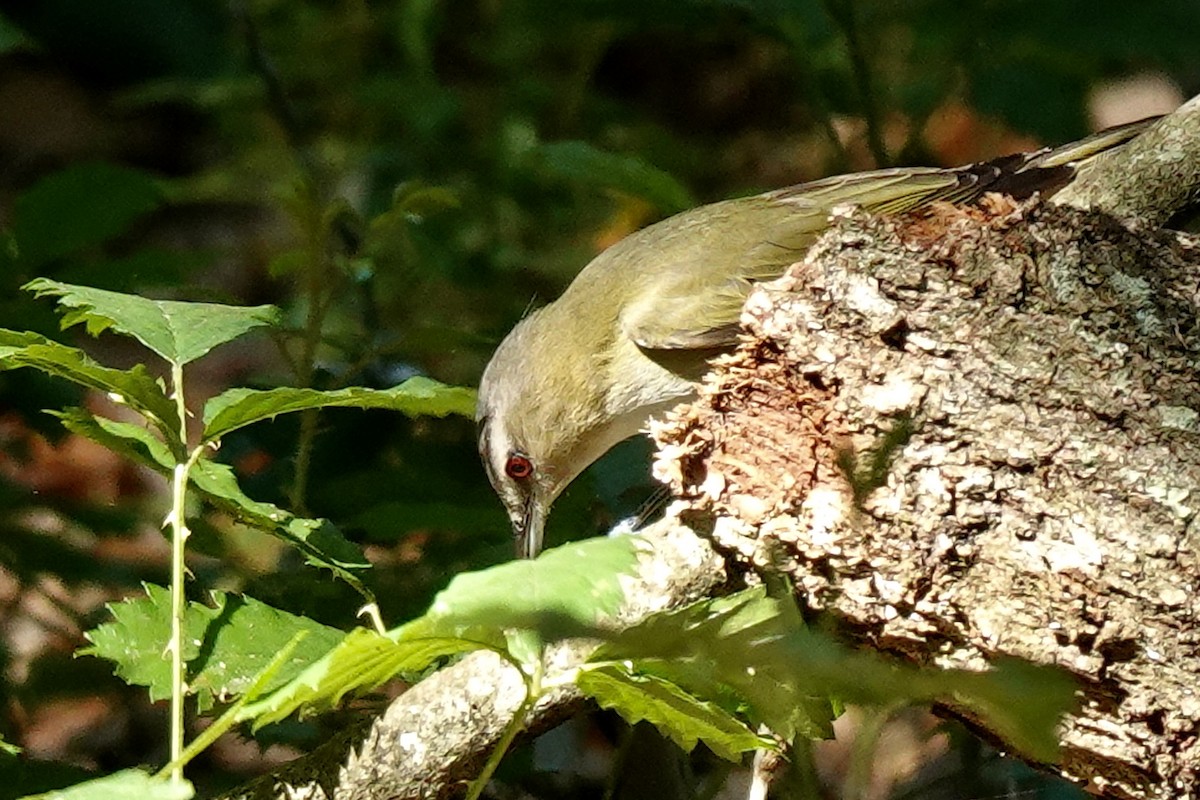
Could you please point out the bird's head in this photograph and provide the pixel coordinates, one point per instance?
(540, 422)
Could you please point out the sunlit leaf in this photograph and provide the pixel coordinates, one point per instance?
(179, 332)
(318, 539)
(682, 716)
(122, 786)
(417, 396)
(226, 645)
(511, 609)
(362, 661)
(751, 647)
(566, 591)
(732, 646)
(135, 386)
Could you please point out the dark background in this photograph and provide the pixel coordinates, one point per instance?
(405, 179)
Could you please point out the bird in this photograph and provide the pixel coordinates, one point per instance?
(633, 332)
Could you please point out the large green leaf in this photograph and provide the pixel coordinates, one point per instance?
(179, 332)
(566, 591)
(682, 716)
(81, 206)
(135, 386)
(730, 647)
(226, 645)
(417, 396)
(122, 786)
(136, 637)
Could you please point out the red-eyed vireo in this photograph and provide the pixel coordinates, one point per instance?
(633, 332)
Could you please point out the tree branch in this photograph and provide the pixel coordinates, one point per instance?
(1027, 374)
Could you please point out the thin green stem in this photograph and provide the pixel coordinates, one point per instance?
(316, 272)
(179, 534)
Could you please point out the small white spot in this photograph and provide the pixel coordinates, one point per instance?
(411, 743)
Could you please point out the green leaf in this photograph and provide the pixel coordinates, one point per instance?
(122, 786)
(134, 386)
(732, 646)
(318, 539)
(136, 638)
(79, 207)
(580, 161)
(179, 332)
(682, 716)
(416, 199)
(565, 592)
(417, 396)
(364, 660)
(226, 645)
(243, 639)
(753, 648)
(132, 441)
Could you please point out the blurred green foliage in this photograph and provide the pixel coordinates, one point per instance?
(404, 178)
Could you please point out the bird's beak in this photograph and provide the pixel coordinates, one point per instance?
(529, 528)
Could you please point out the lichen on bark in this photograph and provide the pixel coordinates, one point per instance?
(1041, 363)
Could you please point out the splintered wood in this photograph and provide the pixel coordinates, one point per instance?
(756, 445)
(973, 434)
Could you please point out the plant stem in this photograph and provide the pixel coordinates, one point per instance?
(515, 725)
(231, 716)
(179, 534)
(316, 271)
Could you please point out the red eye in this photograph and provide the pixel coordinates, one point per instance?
(518, 467)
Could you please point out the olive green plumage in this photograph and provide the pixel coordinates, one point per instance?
(634, 330)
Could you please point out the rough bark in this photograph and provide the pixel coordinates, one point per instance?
(976, 433)
(969, 434)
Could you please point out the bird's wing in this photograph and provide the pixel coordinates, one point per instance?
(698, 306)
